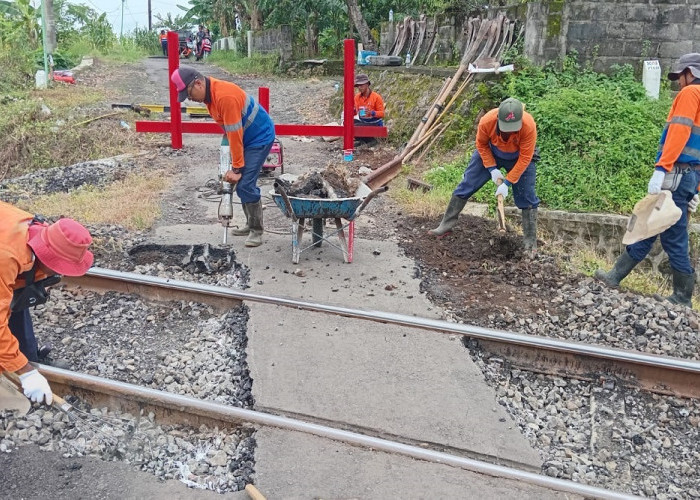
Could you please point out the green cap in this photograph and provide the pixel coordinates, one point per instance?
(510, 115)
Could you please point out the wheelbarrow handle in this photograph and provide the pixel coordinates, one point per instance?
(278, 186)
(367, 199)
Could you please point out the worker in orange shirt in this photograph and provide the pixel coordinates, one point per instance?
(164, 42)
(30, 251)
(506, 138)
(676, 170)
(250, 133)
(369, 108)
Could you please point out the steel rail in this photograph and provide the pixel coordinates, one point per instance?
(229, 414)
(661, 374)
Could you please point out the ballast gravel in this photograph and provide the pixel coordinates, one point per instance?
(612, 437)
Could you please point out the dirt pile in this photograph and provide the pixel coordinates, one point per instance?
(333, 182)
(475, 270)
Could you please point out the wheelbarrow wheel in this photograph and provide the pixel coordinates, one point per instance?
(317, 234)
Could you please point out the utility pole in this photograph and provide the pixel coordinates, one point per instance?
(121, 32)
(48, 13)
(45, 83)
(150, 27)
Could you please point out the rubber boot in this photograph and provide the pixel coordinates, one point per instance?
(450, 218)
(530, 230)
(683, 286)
(255, 221)
(243, 231)
(623, 266)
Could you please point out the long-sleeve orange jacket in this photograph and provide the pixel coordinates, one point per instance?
(244, 121)
(680, 140)
(523, 141)
(16, 257)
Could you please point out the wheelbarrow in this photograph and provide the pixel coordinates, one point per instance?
(319, 209)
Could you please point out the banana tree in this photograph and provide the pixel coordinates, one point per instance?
(22, 22)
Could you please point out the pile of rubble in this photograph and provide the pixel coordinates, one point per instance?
(332, 182)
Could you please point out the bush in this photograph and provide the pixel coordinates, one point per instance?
(597, 135)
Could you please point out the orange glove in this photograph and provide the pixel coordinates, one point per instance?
(233, 176)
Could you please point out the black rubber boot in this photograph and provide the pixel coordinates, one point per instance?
(45, 358)
(243, 231)
(623, 266)
(255, 220)
(530, 230)
(683, 286)
(450, 218)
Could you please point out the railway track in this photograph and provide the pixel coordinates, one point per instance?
(177, 409)
(659, 374)
(664, 375)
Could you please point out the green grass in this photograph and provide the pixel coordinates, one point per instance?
(233, 63)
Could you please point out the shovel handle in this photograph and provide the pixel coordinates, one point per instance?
(501, 214)
(58, 401)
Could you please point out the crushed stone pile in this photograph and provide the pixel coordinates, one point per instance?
(220, 460)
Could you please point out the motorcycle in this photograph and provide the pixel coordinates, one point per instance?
(187, 49)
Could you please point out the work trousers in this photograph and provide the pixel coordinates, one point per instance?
(21, 327)
(476, 175)
(675, 239)
(254, 157)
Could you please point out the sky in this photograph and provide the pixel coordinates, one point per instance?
(135, 11)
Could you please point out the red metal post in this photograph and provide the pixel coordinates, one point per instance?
(349, 95)
(175, 114)
(264, 98)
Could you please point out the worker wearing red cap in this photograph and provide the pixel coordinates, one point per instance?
(250, 133)
(29, 251)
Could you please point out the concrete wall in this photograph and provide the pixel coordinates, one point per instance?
(607, 32)
(600, 232)
(227, 43)
(274, 41)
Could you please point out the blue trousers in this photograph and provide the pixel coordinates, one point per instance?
(370, 122)
(21, 327)
(675, 239)
(475, 176)
(247, 188)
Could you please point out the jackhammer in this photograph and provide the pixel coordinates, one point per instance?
(225, 188)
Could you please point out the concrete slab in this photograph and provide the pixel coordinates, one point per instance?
(292, 466)
(397, 381)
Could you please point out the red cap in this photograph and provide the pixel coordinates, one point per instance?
(63, 247)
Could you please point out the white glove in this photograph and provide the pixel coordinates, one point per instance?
(655, 182)
(693, 204)
(495, 175)
(502, 190)
(36, 387)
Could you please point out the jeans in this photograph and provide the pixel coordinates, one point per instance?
(21, 327)
(254, 158)
(476, 175)
(675, 239)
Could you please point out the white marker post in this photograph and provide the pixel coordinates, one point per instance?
(651, 78)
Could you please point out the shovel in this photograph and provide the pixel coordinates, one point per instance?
(501, 212)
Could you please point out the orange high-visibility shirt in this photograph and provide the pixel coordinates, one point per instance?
(244, 121)
(523, 141)
(373, 102)
(16, 257)
(680, 140)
